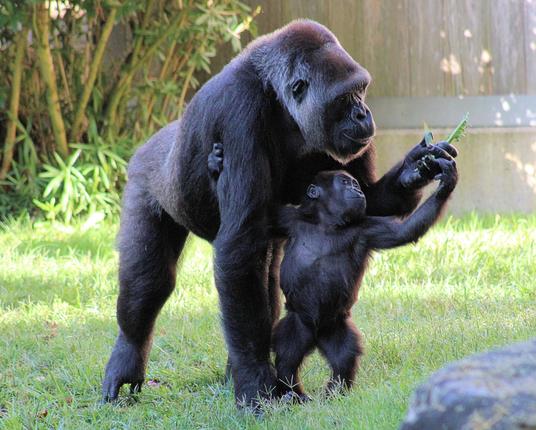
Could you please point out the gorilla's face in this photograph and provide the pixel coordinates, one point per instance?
(325, 94)
(347, 120)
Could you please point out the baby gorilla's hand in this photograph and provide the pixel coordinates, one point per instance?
(215, 160)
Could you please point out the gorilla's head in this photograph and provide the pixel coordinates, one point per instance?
(322, 88)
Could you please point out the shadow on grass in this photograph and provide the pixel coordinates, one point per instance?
(77, 244)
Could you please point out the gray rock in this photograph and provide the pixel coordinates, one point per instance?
(495, 390)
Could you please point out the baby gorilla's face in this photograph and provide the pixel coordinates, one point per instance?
(339, 195)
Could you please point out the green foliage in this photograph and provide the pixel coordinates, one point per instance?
(112, 96)
(21, 184)
(459, 131)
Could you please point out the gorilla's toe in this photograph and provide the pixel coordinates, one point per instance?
(110, 390)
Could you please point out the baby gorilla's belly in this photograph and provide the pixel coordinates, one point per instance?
(321, 290)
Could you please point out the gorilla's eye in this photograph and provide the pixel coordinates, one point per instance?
(298, 88)
(344, 180)
(312, 192)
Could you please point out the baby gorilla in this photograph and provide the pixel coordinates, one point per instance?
(330, 238)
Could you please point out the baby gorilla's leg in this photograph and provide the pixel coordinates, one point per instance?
(292, 341)
(342, 348)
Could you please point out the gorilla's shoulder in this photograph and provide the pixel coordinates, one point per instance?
(166, 133)
(160, 141)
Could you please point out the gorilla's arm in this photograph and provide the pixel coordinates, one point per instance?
(398, 192)
(386, 232)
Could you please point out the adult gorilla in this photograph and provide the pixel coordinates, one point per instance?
(278, 108)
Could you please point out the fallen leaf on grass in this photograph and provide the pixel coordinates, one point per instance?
(153, 383)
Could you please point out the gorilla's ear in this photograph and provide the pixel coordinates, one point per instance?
(298, 89)
(313, 192)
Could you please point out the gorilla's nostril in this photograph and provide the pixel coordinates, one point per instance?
(359, 113)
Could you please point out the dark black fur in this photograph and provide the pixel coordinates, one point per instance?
(329, 239)
(276, 132)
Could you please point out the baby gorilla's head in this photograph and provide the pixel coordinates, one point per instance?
(335, 197)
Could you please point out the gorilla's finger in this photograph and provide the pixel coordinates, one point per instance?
(419, 151)
(446, 165)
(110, 390)
(448, 170)
(439, 152)
(412, 179)
(444, 145)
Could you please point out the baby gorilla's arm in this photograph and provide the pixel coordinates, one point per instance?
(384, 233)
(287, 217)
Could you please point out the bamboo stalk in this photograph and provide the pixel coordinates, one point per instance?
(176, 71)
(63, 74)
(46, 66)
(161, 76)
(144, 24)
(125, 81)
(185, 88)
(11, 133)
(77, 130)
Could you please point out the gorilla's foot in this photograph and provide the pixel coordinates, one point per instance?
(126, 366)
(254, 385)
(293, 397)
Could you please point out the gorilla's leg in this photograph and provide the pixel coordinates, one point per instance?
(342, 347)
(292, 341)
(239, 267)
(273, 264)
(149, 246)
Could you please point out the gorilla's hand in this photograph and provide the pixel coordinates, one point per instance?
(421, 164)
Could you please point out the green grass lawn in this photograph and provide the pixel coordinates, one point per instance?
(467, 286)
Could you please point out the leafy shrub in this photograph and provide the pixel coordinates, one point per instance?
(72, 108)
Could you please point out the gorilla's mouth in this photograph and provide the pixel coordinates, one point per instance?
(348, 147)
(357, 140)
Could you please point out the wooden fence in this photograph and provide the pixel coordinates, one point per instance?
(432, 61)
(427, 47)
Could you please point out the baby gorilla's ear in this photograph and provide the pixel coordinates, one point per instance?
(313, 192)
